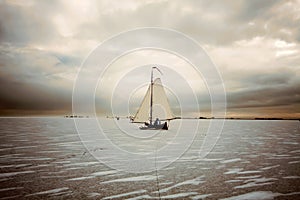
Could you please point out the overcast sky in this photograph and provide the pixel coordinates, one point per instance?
(255, 45)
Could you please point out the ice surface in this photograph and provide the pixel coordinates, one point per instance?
(270, 167)
(291, 177)
(81, 164)
(93, 175)
(93, 194)
(104, 173)
(256, 182)
(249, 172)
(262, 195)
(251, 184)
(14, 166)
(230, 160)
(12, 197)
(233, 171)
(11, 188)
(210, 159)
(294, 162)
(49, 191)
(146, 196)
(253, 157)
(233, 181)
(195, 181)
(248, 177)
(201, 196)
(125, 194)
(178, 195)
(132, 179)
(80, 178)
(15, 173)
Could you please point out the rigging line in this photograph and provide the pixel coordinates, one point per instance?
(158, 70)
(156, 174)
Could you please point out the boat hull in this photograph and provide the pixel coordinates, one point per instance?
(163, 126)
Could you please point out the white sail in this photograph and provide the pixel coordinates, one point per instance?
(161, 108)
(142, 114)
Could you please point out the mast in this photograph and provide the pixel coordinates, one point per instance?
(151, 95)
(155, 95)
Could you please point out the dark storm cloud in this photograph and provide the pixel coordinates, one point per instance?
(269, 79)
(255, 9)
(24, 96)
(266, 97)
(268, 90)
(30, 80)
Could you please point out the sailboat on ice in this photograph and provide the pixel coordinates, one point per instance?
(154, 111)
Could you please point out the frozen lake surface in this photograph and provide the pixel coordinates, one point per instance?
(44, 158)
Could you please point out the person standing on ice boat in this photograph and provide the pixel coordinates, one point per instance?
(157, 122)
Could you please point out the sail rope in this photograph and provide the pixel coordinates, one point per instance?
(156, 174)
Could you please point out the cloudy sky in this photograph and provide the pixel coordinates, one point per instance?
(255, 45)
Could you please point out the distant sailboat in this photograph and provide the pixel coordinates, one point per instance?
(155, 107)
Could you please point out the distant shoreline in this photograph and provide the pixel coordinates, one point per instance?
(125, 117)
(244, 118)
